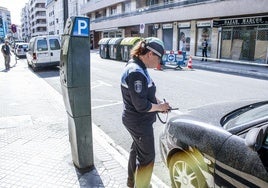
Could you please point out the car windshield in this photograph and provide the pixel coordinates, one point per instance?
(246, 115)
(23, 46)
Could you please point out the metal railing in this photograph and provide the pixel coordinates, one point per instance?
(154, 8)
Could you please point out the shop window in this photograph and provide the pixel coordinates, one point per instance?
(203, 33)
(184, 40)
(227, 35)
(168, 38)
(226, 43)
(261, 51)
(262, 35)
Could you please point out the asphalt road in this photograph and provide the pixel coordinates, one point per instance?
(183, 89)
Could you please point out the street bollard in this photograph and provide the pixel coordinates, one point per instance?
(75, 84)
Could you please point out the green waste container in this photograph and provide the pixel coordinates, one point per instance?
(103, 48)
(115, 48)
(126, 46)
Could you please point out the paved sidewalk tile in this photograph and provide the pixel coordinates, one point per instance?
(34, 138)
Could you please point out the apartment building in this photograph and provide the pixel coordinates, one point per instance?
(55, 22)
(234, 29)
(55, 14)
(25, 23)
(38, 23)
(5, 24)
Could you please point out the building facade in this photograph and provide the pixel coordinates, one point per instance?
(5, 24)
(234, 30)
(55, 14)
(55, 20)
(38, 22)
(25, 23)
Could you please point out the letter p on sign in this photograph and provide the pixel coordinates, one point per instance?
(81, 27)
(82, 24)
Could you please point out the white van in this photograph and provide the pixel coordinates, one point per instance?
(43, 51)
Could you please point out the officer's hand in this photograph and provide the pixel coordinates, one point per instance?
(164, 107)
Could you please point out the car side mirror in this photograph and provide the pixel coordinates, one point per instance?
(254, 138)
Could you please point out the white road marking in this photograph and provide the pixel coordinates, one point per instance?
(106, 105)
(100, 83)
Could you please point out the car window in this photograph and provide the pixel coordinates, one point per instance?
(54, 44)
(42, 45)
(246, 115)
(266, 141)
(31, 44)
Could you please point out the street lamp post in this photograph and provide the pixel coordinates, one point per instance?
(65, 11)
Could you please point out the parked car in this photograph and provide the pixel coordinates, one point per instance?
(218, 145)
(13, 44)
(20, 49)
(44, 51)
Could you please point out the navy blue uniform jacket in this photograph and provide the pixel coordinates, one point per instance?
(138, 91)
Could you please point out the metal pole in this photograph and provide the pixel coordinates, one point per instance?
(65, 11)
(267, 56)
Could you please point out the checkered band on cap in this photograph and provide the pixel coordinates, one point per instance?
(155, 45)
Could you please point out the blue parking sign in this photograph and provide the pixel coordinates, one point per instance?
(81, 27)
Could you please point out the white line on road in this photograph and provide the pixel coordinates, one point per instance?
(106, 105)
(100, 83)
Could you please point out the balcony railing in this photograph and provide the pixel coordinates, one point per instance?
(153, 8)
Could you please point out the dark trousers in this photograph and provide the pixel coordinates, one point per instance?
(141, 157)
(204, 54)
(7, 61)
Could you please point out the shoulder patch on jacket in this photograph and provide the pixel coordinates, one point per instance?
(138, 86)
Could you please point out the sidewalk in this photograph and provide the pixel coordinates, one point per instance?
(241, 69)
(34, 141)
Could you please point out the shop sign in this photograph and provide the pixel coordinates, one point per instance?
(184, 25)
(156, 26)
(203, 24)
(167, 26)
(241, 21)
(142, 28)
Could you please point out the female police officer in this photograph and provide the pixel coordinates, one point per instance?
(140, 108)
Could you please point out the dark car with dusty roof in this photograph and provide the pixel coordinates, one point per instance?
(218, 145)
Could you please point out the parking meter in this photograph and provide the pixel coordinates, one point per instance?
(75, 84)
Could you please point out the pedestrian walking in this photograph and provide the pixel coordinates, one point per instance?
(6, 53)
(204, 49)
(140, 108)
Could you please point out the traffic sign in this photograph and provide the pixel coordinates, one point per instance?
(142, 28)
(13, 28)
(81, 27)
